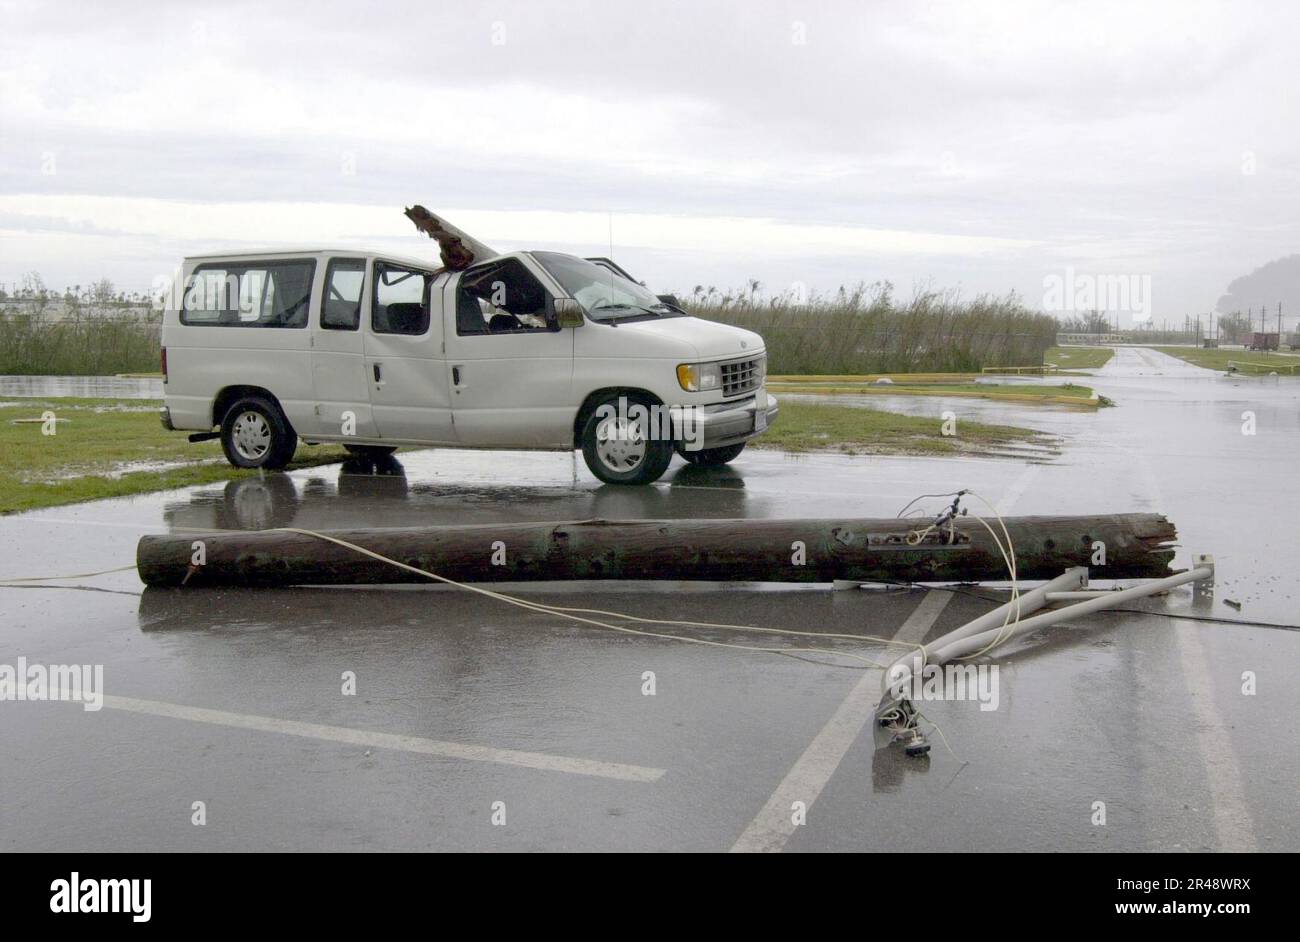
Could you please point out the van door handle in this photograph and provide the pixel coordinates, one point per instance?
(379, 376)
(455, 375)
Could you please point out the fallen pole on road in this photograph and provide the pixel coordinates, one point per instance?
(896, 717)
(1135, 546)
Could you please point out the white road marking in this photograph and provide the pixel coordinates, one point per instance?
(1232, 821)
(772, 826)
(362, 737)
(1017, 490)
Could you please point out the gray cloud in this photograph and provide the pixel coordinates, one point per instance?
(1144, 138)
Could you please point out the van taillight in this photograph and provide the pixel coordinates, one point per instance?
(164, 364)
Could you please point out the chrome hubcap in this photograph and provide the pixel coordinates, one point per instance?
(620, 444)
(251, 436)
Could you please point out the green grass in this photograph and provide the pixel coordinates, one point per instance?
(854, 430)
(1032, 393)
(1078, 358)
(1247, 361)
(91, 454)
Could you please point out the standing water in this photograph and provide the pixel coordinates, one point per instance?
(84, 387)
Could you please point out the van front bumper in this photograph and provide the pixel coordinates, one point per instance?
(722, 424)
(165, 417)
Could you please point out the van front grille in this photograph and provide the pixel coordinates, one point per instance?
(742, 376)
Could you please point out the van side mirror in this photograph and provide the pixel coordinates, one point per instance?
(568, 312)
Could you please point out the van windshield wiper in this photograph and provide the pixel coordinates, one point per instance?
(641, 312)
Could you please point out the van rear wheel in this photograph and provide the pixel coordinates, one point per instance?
(623, 446)
(370, 451)
(256, 434)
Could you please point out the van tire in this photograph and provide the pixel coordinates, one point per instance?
(256, 434)
(712, 457)
(641, 460)
(370, 451)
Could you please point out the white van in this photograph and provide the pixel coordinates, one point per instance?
(533, 350)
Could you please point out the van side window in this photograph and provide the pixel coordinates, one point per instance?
(249, 294)
(341, 307)
(400, 303)
(502, 298)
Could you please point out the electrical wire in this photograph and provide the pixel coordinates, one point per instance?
(79, 575)
(1006, 550)
(569, 612)
(70, 588)
(1009, 557)
(1211, 619)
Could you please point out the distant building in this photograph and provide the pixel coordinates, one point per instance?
(1064, 339)
(54, 309)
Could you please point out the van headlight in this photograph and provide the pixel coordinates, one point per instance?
(699, 377)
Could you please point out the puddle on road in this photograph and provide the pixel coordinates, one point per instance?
(83, 387)
(1174, 445)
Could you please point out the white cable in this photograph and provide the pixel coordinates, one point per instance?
(567, 613)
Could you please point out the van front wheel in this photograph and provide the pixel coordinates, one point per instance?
(255, 434)
(622, 446)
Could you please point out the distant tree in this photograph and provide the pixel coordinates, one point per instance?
(34, 285)
(103, 291)
(1098, 323)
(1234, 327)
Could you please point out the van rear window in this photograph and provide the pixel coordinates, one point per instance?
(249, 294)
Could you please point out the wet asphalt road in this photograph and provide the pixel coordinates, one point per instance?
(233, 698)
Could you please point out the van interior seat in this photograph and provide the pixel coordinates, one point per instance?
(405, 317)
(340, 313)
(504, 321)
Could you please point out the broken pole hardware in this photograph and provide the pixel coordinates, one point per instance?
(1137, 546)
(458, 249)
(895, 716)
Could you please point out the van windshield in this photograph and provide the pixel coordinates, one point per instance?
(603, 294)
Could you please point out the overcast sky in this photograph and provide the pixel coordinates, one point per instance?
(982, 147)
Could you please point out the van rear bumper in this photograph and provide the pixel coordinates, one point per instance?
(721, 425)
(165, 417)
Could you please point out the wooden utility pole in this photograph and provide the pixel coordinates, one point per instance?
(866, 550)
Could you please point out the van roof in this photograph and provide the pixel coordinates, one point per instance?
(353, 252)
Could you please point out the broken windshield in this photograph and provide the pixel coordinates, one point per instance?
(603, 294)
